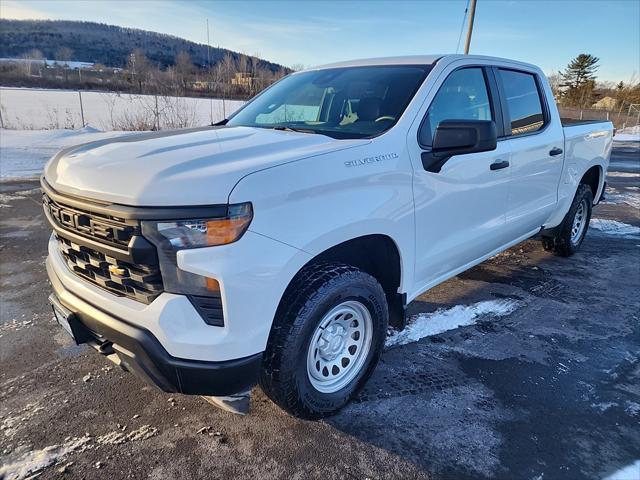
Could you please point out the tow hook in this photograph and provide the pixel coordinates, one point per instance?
(238, 403)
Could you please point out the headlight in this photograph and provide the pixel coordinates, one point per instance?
(170, 236)
(205, 232)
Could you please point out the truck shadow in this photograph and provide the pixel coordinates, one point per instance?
(533, 393)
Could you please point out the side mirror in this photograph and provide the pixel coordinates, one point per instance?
(458, 137)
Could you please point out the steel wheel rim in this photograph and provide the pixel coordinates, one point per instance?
(579, 222)
(339, 346)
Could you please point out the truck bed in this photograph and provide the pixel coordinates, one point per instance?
(570, 122)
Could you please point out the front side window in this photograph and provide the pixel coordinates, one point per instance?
(349, 102)
(523, 101)
(462, 96)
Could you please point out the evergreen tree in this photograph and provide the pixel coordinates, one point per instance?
(579, 79)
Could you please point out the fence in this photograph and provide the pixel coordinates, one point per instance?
(22, 108)
(28, 108)
(619, 119)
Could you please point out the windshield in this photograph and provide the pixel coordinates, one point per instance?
(350, 102)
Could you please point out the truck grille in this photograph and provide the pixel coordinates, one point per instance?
(106, 257)
(103, 228)
(139, 282)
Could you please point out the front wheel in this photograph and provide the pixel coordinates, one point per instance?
(326, 340)
(573, 228)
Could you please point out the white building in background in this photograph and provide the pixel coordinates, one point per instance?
(605, 103)
(71, 64)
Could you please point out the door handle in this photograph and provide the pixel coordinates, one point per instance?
(499, 164)
(555, 151)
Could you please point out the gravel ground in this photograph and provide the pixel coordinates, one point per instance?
(551, 390)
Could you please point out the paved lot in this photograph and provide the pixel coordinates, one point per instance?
(550, 391)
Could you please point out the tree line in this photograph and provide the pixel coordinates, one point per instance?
(232, 77)
(106, 44)
(126, 60)
(577, 87)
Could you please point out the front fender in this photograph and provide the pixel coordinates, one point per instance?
(316, 203)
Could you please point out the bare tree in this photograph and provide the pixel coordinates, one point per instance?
(257, 75)
(555, 81)
(228, 70)
(63, 54)
(33, 57)
(218, 78)
(183, 69)
(243, 64)
(139, 67)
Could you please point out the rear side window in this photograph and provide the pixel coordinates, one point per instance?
(462, 96)
(523, 101)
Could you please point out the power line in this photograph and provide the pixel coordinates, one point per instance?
(464, 18)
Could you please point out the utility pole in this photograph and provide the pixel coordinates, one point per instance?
(208, 46)
(472, 14)
(81, 107)
(209, 76)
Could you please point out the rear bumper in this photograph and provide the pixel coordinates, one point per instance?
(139, 351)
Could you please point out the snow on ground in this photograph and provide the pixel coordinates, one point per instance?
(630, 472)
(23, 153)
(7, 198)
(118, 437)
(31, 462)
(629, 134)
(613, 227)
(615, 196)
(33, 108)
(623, 174)
(428, 324)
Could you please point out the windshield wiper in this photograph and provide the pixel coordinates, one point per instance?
(282, 128)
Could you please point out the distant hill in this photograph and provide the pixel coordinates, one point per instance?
(106, 44)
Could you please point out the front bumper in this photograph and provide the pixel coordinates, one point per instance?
(139, 351)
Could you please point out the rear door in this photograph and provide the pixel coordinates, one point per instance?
(536, 144)
(460, 210)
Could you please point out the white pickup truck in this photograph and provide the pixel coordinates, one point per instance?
(277, 246)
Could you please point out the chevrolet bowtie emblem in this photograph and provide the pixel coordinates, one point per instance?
(117, 270)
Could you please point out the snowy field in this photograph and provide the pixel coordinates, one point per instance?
(23, 153)
(33, 109)
(629, 134)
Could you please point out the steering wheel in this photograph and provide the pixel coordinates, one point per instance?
(386, 117)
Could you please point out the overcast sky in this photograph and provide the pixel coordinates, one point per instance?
(545, 32)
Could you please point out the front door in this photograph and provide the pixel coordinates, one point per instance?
(460, 211)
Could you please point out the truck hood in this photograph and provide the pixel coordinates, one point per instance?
(182, 167)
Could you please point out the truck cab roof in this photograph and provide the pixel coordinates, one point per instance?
(417, 60)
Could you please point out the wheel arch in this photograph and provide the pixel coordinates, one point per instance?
(593, 178)
(376, 254)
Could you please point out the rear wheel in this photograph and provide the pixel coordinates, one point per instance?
(326, 340)
(572, 230)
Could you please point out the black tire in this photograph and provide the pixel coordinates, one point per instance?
(548, 243)
(314, 292)
(561, 243)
